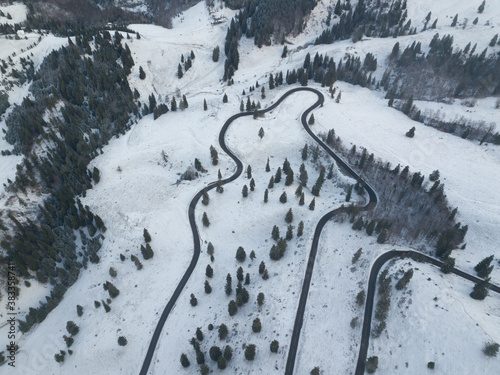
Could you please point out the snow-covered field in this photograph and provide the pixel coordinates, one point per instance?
(140, 188)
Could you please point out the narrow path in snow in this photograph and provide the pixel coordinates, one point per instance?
(212, 185)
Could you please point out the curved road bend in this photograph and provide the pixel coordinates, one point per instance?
(191, 213)
(370, 296)
(373, 199)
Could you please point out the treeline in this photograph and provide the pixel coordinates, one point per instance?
(95, 104)
(411, 210)
(373, 18)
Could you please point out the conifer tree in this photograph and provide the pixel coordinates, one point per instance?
(300, 229)
(250, 352)
(289, 216)
(311, 120)
(242, 106)
(244, 191)
(215, 156)
(268, 168)
(298, 191)
(210, 249)
(173, 104)
(260, 299)
(223, 331)
(205, 220)
(193, 301)
(215, 54)
(224, 98)
(147, 236)
(289, 178)
(302, 199)
(208, 288)
(142, 74)
(205, 199)
(184, 360)
(274, 346)
(239, 274)
(277, 177)
(480, 290)
(262, 267)
(271, 183)
(199, 334)
(241, 254)
(305, 152)
(283, 197)
(252, 184)
(228, 288)
(249, 172)
(312, 205)
(256, 325)
(179, 71)
(209, 272)
(232, 308)
(205, 106)
(483, 268)
(289, 233)
(261, 130)
(266, 196)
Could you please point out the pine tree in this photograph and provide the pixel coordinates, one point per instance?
(480, 290)
(311, 120)
(411, 133)
(210, 249)
(232, 308)
(244, 191)
(224, 98)
(179, 71)
(223, 331)
(382, 237)
(349, 192)
(193, 301)
(242, 106)
(208, 288)
(252, 184)
(448, 265)
(261, 131)
(302, 199)
(250, 352)
(300, 229)
(215, 54)
(199, 334)
(298, 191)
(239, 274)
(266, 196)
(79, 310)
(209, 272)
(241, 254)
(173, 104)
(228, 288)
(205, 199)
(256, 325)
(289, 216)
(271, 183)
(205, 220)
(283, 197)
(455, 19)
(184, 360)
(228, 353)
(289, 233)
(483, 268)
(481, 7)
(312, 205)
(304, 152)
(277, 176)
(205, 106)
(268, 168)
(285, 52)
(274, 346)
(289, 178)
(142, 74)
(249, 172)
(221, 363)
(215, 156)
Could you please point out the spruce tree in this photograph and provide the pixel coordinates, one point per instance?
(271, 183)
(289, 216)
(179, 71)
(228, 288)
(312, 205)
(224, 98)
(261, 131)
(289, 233)
(241, 254)
(266, 196)
(483, 268)
(205, 106)
(250, 352)
(274, 346)
(208, 288)
(283, 197)
(205, 199)
(173, 104)
(223, 331)
(300, 229)
(256, 325)
(209, 272)
(311, 120)
(199, 334)
(193, 301)
(184, 360)
(277, 177)
(252, 184)
(232, 308)
(249, 172)
(205, 220)
(147, 236)
(260, 299)
(142, 74)
(305, 152)
(268, 168)
(301, 200)
(228, 353)
(244, 191)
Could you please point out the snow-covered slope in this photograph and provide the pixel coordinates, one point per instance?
(140, 188)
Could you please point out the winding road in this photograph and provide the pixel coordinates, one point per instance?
(379, 262)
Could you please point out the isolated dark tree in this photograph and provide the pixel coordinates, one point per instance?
(277, 176)
(147, 236)
(247, 279)
(239, 274)
(228, 353)
(289, 216)
(193, 301)
(431, 365)
(210, 249)
(371, 364)
(302, 199)
(480, 290)
(142, 74)
(68, 340)
(72, 328)
(228, 288)
(261, 133)
(232, 308)
(205, 200)
(285, 52)
(215, 353)
(205, 106)
(208, 288)
(312, 205)
(484, 268)
(184, 360)
(252, 255)
(223, 331)
(300, 229)
(305, 152)
(268, 168)
(209, 272)
(311, 119)
(250, 352)
(241, 254)
(289, 233)
(179, 71)
(244, 191)
(283, 197)
(147, 252)
(260, 299)
(289, 178)
(215, 54)
(122, 341)
(262, 267)
(275, 345)
(214, 155)
(454, 22)
(481, 7)
(173, 104)
(266, 196)
(79, 310)
(411, 133)
(256, 325)
(205, 220)
(303, 176)
(491, 349)
(224, 98)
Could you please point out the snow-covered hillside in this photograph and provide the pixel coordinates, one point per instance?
(432, 319)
